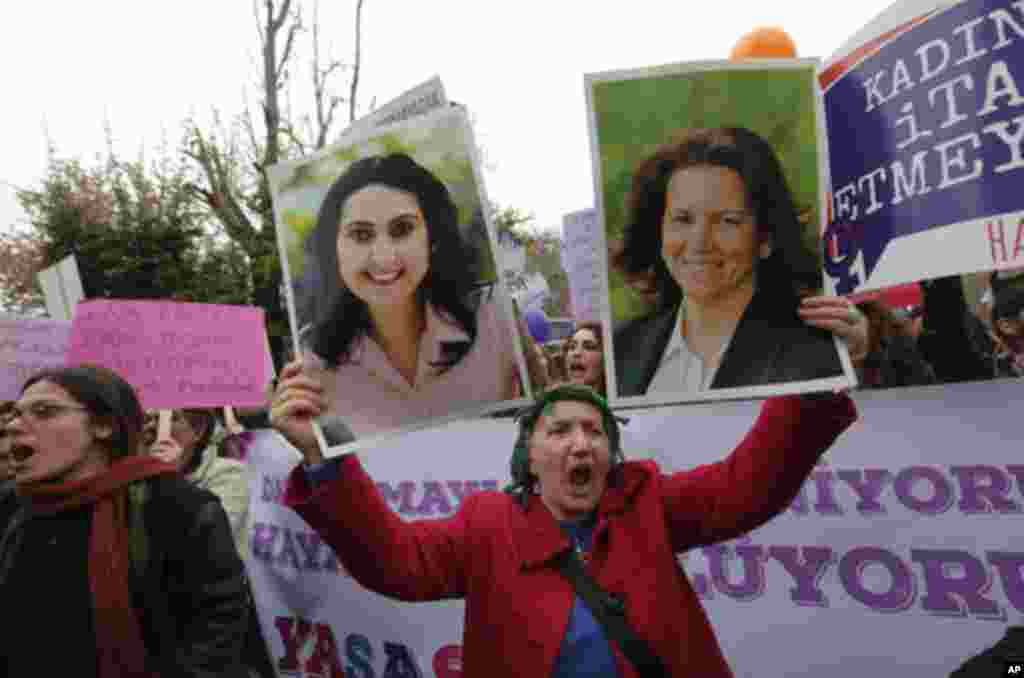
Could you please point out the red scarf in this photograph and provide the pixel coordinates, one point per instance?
(119, 646)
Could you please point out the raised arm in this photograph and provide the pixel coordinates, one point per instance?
(761, 477)
(421, 560)
(415, 561)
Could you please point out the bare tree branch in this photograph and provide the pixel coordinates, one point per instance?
(353, 89)
(293, 29)
(325, 105)
(259, 24)
(295, 138)
(277, 23)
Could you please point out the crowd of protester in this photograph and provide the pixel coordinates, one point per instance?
(196, 471)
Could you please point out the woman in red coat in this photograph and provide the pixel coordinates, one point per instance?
(572, 490)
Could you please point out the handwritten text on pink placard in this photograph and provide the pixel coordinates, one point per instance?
(176, 354)
(28, 345)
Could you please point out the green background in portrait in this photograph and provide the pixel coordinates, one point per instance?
(439, 143)
(635, 117)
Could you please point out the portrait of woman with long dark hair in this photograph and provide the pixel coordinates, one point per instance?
(711, 220)
(401, 327)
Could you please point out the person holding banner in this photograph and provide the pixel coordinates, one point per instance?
(110, 564)
(406, 330)
(712, 220)
(190, 447)
(531, 609)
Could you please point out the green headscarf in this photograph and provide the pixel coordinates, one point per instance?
(522, 481)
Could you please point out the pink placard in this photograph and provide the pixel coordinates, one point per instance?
(28, 345)
(176, 354)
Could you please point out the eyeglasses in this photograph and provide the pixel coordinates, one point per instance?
(43, 411)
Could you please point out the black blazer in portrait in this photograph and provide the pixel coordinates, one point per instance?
(771, 345)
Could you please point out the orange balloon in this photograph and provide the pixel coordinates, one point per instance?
(764, 43)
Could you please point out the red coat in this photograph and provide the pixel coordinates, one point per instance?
(500, 558)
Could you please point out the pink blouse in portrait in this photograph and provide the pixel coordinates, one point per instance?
(372, 398)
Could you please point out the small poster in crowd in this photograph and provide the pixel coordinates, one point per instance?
(176, 354)
(28, 345)
(926, 138)
(395, 296)
(709, 179)
(62, 288)
(584, 264)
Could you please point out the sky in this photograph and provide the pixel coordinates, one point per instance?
(518, 66)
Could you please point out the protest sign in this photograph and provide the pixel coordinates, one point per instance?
(925, 133)
(176, 354)
(709, 179)
(28, 345)
(584, 264)
(62, 288)
(397, 221)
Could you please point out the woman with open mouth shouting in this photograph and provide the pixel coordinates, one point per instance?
(573, 570)
(405, 329)
(110, 564)
(584, 357)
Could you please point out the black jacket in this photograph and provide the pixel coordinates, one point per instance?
(190, 590)
(994, 660)
(771, 345)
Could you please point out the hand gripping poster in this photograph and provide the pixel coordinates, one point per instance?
(393, 289)
(709, 178)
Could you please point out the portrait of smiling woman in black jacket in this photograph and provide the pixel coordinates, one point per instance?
(711, 219)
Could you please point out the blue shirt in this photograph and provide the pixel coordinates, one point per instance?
(585, 650)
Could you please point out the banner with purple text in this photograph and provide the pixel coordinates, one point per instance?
(901, 556)
(926, 146)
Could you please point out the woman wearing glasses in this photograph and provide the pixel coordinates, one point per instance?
(108, 555)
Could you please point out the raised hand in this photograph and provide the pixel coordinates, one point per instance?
(841, 317)
(297, 402)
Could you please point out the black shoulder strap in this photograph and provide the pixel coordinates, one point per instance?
(611, 614)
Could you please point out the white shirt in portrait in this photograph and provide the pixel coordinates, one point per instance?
(680, 369)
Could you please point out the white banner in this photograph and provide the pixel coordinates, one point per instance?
(420, 99)
(903, 555)
(62, 288)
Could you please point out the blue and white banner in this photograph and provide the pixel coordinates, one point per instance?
(926, 147)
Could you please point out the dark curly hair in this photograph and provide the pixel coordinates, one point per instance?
(789, 268)
(451, 276)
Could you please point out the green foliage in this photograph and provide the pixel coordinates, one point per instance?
(137, 232)
(636, 117)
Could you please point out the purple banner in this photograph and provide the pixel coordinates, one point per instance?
(926, 133)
